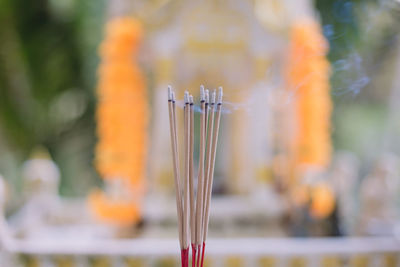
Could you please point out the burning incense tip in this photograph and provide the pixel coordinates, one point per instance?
(220, 94)
(191, 99)
(202, 95)
(207, 96)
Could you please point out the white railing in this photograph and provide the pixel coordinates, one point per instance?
(215, 247)
(242, 252)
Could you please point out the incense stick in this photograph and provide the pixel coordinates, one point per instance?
(202, 187)
(191, 182)
(175, 159)
(212, 167)
(213, 157)
(208, 155)
(194, 212)
(186, 192)
(200, 181)
(207, 183)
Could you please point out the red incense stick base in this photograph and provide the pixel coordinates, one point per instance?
(202, 254)
(198, 255)
(194, 250)
(185, 257)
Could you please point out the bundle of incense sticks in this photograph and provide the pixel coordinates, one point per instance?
(194, 211)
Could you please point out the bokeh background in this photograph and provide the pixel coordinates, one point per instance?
(309, 137)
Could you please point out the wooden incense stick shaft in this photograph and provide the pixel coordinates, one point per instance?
(214, 152)
(186, 196)
(175, 159)
(206, 165)
(200, 181)
(207, 172)
(191, 174)
(207, 175)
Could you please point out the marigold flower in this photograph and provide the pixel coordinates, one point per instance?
(322, 201)
(307, 76)
(122, 119)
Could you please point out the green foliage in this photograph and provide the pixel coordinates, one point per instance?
(46, 85)
(362, 37)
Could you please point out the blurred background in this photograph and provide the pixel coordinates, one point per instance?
(308, 143)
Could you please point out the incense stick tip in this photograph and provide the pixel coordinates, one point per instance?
(191, 99)
(169, 92)
(173, 96)
(207, 96)
(220, 94)
(213, 97)
(186, 97)
(202, 96)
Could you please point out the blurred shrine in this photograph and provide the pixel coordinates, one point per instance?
(222, 42)
(275, 153)
(277, 172)
(275, 73)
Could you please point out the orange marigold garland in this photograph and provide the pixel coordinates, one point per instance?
(307, 78)
(322, 200)
(308, 73)
(122, 118)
